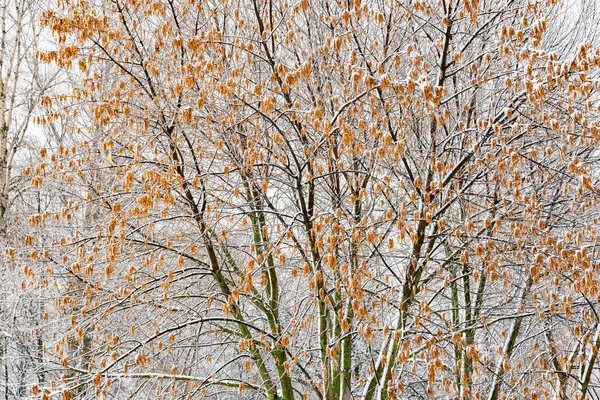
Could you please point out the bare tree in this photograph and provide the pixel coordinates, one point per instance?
(22, 84)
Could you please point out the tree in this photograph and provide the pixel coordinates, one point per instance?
(326, 199)
(22, 82)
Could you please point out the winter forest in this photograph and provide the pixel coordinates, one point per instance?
(300, 199)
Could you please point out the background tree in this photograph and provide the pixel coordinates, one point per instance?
(22, 83)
